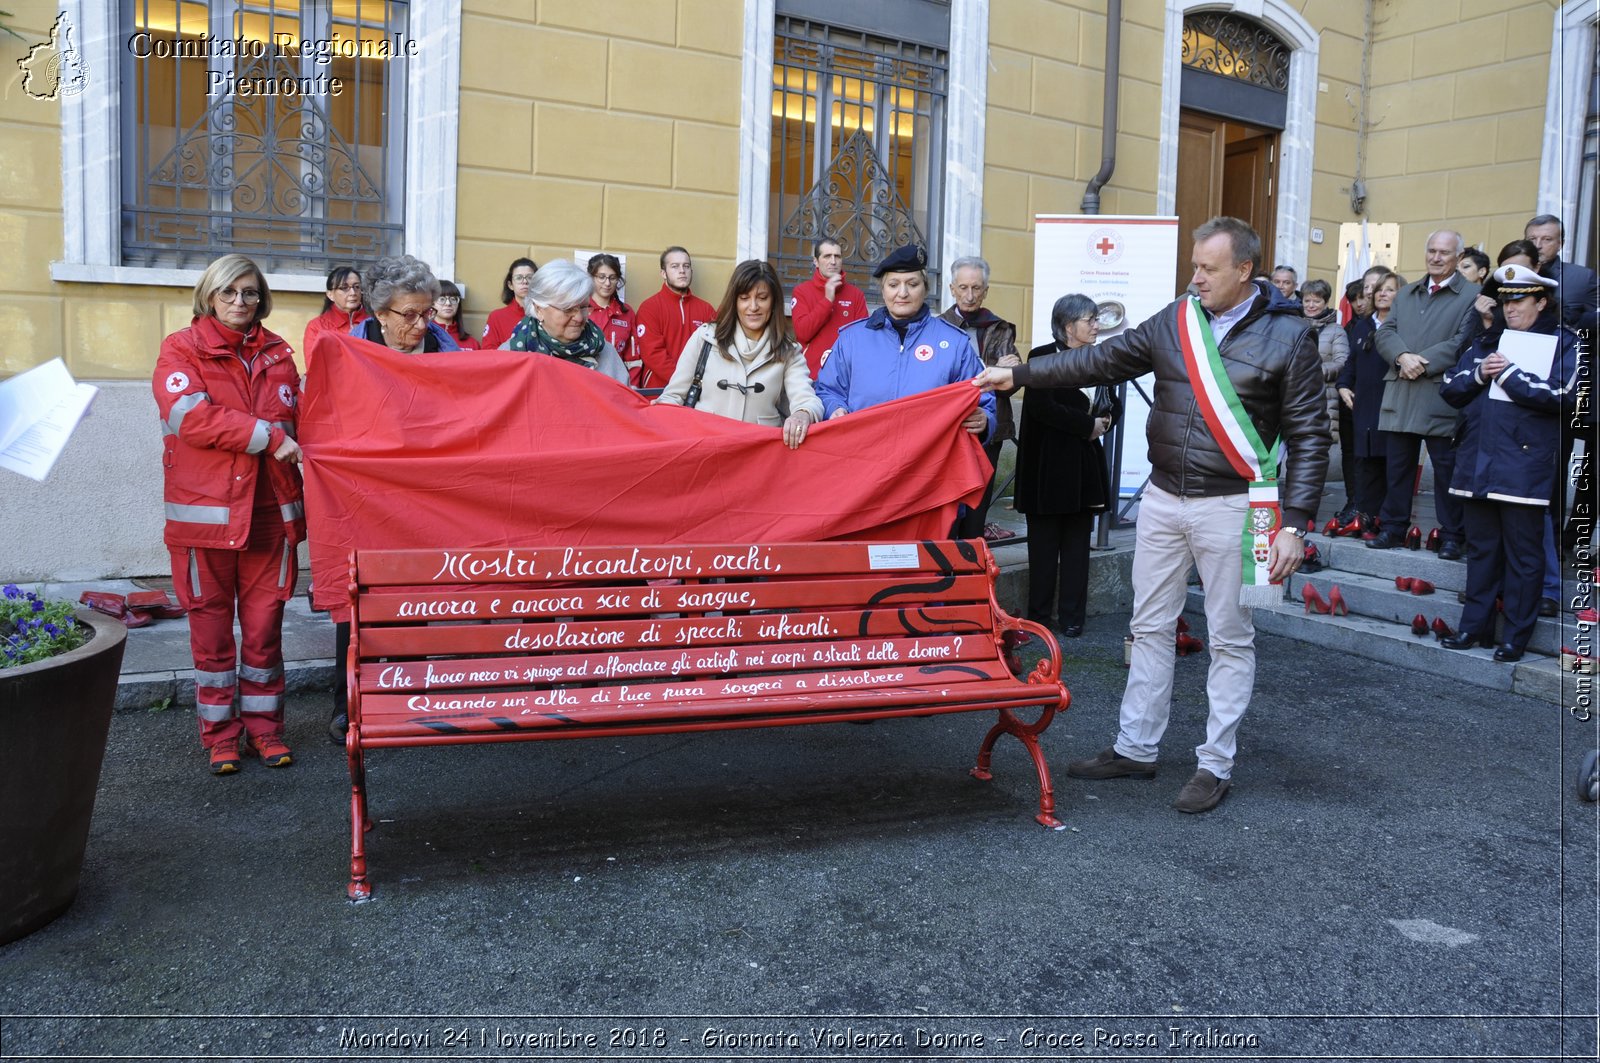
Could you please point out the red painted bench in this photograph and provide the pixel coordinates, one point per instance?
(598, 642)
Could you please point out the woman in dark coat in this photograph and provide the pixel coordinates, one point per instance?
(1506, 462)
(1361, 391)
(1061, 476)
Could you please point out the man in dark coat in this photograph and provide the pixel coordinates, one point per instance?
(995, 340)
(1429, 324)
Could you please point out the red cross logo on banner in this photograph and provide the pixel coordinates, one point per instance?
(1105, 246)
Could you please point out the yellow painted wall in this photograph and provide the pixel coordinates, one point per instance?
(1042, 138)
(1457, 115)
(598, 124)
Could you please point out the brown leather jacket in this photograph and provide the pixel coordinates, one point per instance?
(993, 336)
(1272, 361)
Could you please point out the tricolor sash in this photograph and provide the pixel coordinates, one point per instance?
(1240, 443)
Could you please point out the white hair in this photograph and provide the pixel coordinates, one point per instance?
(560, 283)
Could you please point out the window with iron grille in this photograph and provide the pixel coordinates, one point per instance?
(857, 147)
(274, 128)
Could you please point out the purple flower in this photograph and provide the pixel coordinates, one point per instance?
(13, 591)
(52, 630)
(38, 605)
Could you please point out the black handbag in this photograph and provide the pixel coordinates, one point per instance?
(1103, 404)
(692, 398)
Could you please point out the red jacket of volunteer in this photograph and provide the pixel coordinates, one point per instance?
(225, 400)
(666, 320)
(617, 322)
(333, 320)
(501, 324)
(817, 322)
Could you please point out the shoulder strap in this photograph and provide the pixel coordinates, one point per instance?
(692, 398)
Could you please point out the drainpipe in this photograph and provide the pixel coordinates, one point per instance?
(1108, 121)
(1091, 205)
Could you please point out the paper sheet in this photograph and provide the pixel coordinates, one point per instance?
(34, 453)
(27, 397)
(1532, 352)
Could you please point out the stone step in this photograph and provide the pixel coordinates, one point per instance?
(1392, 643)
(1352, 555)
(1381, 600)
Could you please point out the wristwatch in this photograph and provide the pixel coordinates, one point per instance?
(1294, 529)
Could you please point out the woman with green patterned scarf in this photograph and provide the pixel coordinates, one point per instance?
(558, 321)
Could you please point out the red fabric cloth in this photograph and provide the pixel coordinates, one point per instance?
(489, 449)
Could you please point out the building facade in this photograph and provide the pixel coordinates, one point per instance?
(144, 137)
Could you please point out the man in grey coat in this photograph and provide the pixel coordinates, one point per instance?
(1427, 327)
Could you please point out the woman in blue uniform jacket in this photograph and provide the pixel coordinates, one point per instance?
(1506, 462)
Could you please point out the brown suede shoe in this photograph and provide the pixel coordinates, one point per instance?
(1203, 792)
(1109, 764)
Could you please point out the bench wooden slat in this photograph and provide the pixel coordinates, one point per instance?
(503, 711)
(611, 564)
(421, 604)
(675, 693)
(486, 672)
(599, 636)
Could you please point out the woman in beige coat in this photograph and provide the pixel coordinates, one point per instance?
(745, 364)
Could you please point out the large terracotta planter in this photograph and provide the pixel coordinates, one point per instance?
(54, 716)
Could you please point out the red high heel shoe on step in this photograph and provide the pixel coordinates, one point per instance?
(1419, 625)
(1336, 603)
(1420, 586)
(1315, 602)
(1414, 538)
(1332, 528)
(1402, 583)
(1433, 540)
(1351, 528)
(1441, 629)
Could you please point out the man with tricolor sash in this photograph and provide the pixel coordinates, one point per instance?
(1239, 440)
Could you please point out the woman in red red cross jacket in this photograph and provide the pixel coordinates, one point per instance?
(228, 391)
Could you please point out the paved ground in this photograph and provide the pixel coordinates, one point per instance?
(1399, 871)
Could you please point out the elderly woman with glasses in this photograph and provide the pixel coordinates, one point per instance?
(342, 306)
(558, 321)
(402, 290)
(228, 391)
(1061, 475)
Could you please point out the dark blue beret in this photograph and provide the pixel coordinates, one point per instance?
(907, 259)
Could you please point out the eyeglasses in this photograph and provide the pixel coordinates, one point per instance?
(522, 278)
(451, 299)
(410, 316)
(349, 289)
(609, 277)
(249, 297)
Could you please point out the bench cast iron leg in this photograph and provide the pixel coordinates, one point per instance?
(359, 889)
(1029, 737)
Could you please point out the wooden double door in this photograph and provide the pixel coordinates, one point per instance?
(1225, 167)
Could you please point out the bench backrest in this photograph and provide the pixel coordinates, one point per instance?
(484, 641)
